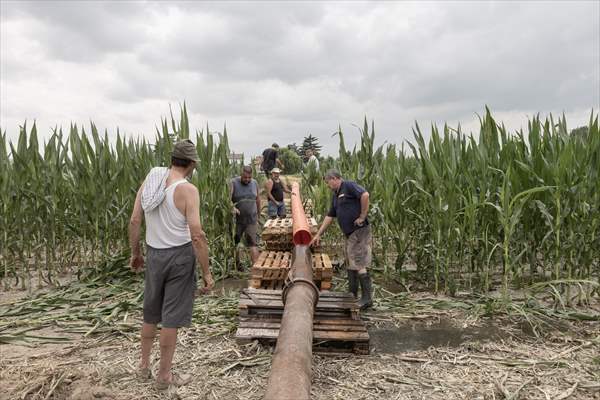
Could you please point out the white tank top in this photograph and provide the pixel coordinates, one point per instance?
(166, 226)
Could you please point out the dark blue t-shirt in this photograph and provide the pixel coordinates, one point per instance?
(269, 159)
(345, 205)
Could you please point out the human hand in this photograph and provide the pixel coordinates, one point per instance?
(359, 221)
(235, 211)
(316, 240)
(136, 262)
(209, 282)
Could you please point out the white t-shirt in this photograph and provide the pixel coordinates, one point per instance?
(315, 160)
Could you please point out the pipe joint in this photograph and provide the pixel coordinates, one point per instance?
(290, 282)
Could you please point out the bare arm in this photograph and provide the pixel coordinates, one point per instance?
(317, 238)
(364, 208)
(258, 205)
(135, 223)
(199, 242)
(286, 186)
(234, 209)
(278, 161)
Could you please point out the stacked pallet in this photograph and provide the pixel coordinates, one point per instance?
(272, 268)
(322, 271)
(308, 207)
(336, 324)
(277, 233)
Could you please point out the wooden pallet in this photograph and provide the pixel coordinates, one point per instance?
(336, 323)
(308, 207)
(277, 233)
(272, 268)
(322, 271)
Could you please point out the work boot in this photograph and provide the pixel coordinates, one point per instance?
(353, 282)
(366, 299)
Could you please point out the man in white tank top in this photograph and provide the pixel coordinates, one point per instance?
(175, 241)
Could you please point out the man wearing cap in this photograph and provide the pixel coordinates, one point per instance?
(350, 205)
(270, 158)
(175, 242)
(274, 189)
(245, 197)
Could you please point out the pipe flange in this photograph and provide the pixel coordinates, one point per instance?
(289, 282)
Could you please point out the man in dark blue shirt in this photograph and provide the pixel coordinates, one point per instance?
(350, 205)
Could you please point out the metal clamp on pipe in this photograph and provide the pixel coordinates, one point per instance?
(289, 282)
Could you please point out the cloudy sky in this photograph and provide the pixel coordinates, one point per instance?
(278, 71)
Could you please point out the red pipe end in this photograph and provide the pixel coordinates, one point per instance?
(302, 237)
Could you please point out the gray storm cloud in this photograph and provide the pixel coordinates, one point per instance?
(281, 70)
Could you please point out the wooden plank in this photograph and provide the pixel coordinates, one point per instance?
(254, 283)
(322, 299)
(348, 301)
(266, 303)
(276, 313)
(278, 292)
(268, 333)
(254, 324)
(316, 321)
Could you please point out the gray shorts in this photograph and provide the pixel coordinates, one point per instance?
(358, 248)
(248, 232)
(169, 285)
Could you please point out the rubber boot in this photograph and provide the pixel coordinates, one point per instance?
(366, 299)
(353, 282)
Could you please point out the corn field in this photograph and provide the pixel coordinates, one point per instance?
(456, 211)
(68, 202)
(478, 212)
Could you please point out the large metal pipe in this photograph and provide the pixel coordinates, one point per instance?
(291, 369)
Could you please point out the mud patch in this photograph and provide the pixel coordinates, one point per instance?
(388, 338)
(229, 285)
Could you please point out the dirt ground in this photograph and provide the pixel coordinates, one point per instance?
(422, 347)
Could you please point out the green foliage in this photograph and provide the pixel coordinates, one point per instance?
(291, 161)
(69, 201)
(582, 131)
(466, 209)
(310, 142)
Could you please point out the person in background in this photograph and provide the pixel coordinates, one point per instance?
(350, 205)
(175, 242)
(244, 195)
(270, 159)
(312, 159)
(275, 189)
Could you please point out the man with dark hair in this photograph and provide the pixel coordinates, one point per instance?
(270, 158)
(245, 197)
(175, 241)
(350, 205)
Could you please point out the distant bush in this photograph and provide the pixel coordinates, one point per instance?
(291, 161)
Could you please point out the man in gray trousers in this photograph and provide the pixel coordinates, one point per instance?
(350, 205)
(175, 241)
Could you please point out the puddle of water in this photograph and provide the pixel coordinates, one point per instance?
(417, 336)
(229, 285)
